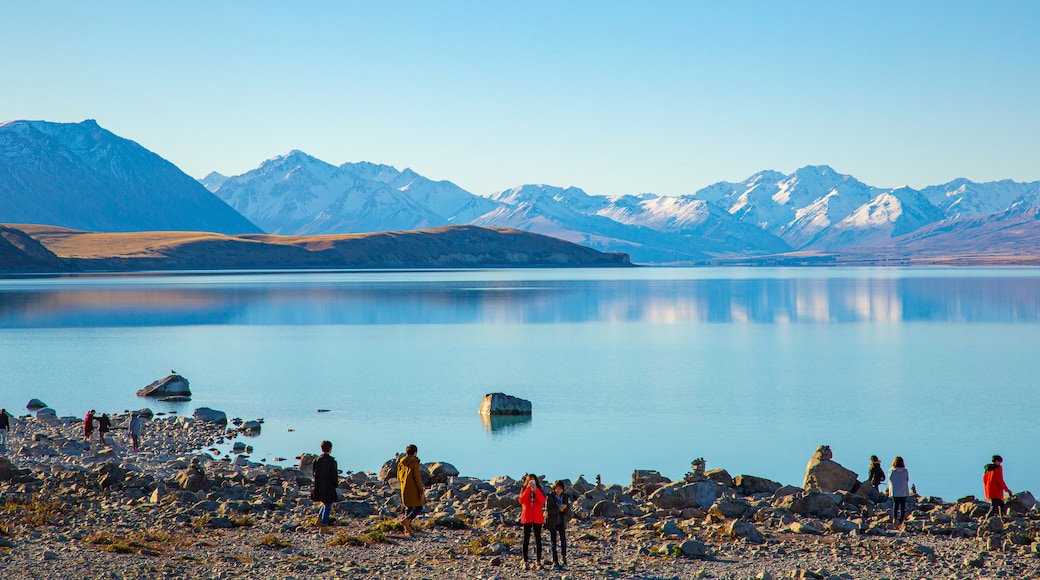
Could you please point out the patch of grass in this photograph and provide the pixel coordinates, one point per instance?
(161, 537)
(118, 548)
(243, 559)
(342, 539)
(388, 525)
(374, 537)
(479, 546)
(676, 552)
(243, 521)
(200, 521)
(273, 541)
(34, 512)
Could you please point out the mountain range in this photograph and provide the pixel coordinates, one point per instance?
(83, 177)
(813, 209)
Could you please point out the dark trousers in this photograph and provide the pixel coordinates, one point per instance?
(537, 540)
(559, 530)
(996, 508)
(898, 509)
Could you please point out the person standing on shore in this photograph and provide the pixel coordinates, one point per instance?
(532, 499)
(993, 481)
(326, 480)
(557, 511)
(135, 426)
(877, 475)
(88, 425)
(899, 489)
(5, 424)
(104, 426)
(412, 493)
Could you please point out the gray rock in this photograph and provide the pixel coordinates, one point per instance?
(810, 504)
(800, 528)
(357, 509)
(173, 385)
(607, 509)
(503, 404)
(681, 495)
(1022, 502)
(145, 413)
(693, 549)
(47, 414)
(720, 476)
(826, 475)
(751, 485)
(211, 415)
(726, 508)
(193, 478)
(670, 529)
(251, 427)
(842, 526)
(35, 404)
(441, 471)
(745, 530)
(307, 463)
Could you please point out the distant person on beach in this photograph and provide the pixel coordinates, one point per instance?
(88, 425)
(5, 424)
(532, 499)
(993, 481)
(135, 427)
(877, 475)
(899, 489)
(557, 511)
(326, 480)
(412, 493)
(104, 426)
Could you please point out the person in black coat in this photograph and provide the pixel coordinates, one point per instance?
(557, 512)
(104, 426)
(326, 480)
(876, 475)
(5, 424)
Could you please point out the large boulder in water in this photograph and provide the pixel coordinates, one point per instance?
(503, 404)
(823, 474)
(35, 404)
(441, 471)
(171, 386)
(207, 414)
(47, 414)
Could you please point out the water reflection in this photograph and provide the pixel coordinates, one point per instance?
(505, 424)
(312, 299)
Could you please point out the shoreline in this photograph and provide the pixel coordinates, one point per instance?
(174, 511)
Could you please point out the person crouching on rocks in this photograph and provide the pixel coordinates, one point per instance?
(877, 475)
(557, 511)
(88, 425)
(532, 499)
(899, 489)
(104, 426)
(993, 480)
(413, 496)
(326, 480)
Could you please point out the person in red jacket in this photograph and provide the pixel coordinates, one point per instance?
(88, 425)
(532, 498)
(993, 481)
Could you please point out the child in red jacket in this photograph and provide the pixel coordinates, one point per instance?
(532, 499)
(993, 481)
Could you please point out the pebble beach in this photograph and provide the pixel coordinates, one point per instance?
(176, 509)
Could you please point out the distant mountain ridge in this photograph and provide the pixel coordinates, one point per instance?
(79, 175)
(815, 209)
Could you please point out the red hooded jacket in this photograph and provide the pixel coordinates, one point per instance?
(994, 483)
(532, 505)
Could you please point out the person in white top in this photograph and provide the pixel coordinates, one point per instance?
(899, 489)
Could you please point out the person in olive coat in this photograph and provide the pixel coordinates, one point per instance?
(326, 480)
(413, 495)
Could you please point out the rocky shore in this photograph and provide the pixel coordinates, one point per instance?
(76, 509)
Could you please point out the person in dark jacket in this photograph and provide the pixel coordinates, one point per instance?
(557, 512)
(877, 475)
(326, 480)
(104, 426)
(5, 424)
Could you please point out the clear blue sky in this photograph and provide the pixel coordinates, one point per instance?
(613, 97)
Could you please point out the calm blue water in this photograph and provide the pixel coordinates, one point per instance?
(635, 368)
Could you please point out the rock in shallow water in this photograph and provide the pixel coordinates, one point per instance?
(173, 385)
(503, 404)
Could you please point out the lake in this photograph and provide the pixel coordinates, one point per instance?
(648, 368)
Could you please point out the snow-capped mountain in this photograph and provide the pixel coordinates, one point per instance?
(299, 194)
(80, 176)
(887, 216)
(962, 198)
(213, 180)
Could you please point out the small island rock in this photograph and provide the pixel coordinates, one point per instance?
(171, 386)
(207, 414)
(503, 404)
(35, 404)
